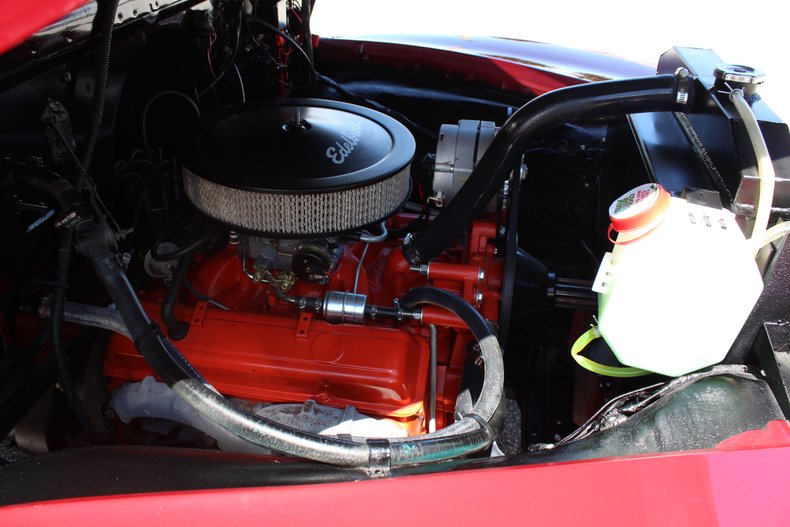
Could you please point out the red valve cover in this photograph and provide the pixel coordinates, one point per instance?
(259, 357)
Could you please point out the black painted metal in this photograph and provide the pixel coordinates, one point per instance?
(773, 353)
(666, 153)
(772, 306)
(298, 146)
(719, 129)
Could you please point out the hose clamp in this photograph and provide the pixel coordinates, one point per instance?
(684, 86)
(379, 457)
(409, 252)
(484, 425)
(151, 331)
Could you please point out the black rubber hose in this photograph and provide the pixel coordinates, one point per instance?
(530, 122)
(59, 189)
(434, 296)
(485, 335)
(105, 21)
(176, 329)
(59, 347)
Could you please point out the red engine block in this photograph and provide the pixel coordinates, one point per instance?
(263, 349)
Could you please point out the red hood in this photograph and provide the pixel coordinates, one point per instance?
(19, 20)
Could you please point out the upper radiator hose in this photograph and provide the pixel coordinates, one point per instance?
(662, 93)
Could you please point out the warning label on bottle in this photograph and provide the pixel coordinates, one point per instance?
(637, 195)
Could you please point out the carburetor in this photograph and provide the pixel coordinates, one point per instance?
(281, 262)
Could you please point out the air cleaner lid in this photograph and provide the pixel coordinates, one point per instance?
(298, 146)
(638, 208)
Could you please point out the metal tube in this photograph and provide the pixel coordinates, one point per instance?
(243, 250)
(377, 238)
(359, 266)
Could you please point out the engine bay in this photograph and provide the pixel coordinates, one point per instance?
(224, 233)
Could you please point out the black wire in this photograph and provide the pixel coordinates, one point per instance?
(148, 105)
(270, 57)
(339, 89)
(184, 250)
(127, 170)
(258, 42)
(72, 154)
(378, 106)
(105, 20)
(84, 180)
(241, 83)
(290, 40)
(97, 205)
(582, 241)
(232, 57)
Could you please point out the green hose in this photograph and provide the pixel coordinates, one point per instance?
(609, 371)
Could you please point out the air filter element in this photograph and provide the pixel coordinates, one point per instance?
(298, 168)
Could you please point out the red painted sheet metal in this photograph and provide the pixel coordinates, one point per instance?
(747, 486)
(21, 18)
(506, 64)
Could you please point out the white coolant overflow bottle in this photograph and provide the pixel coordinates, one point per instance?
(678, 285)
